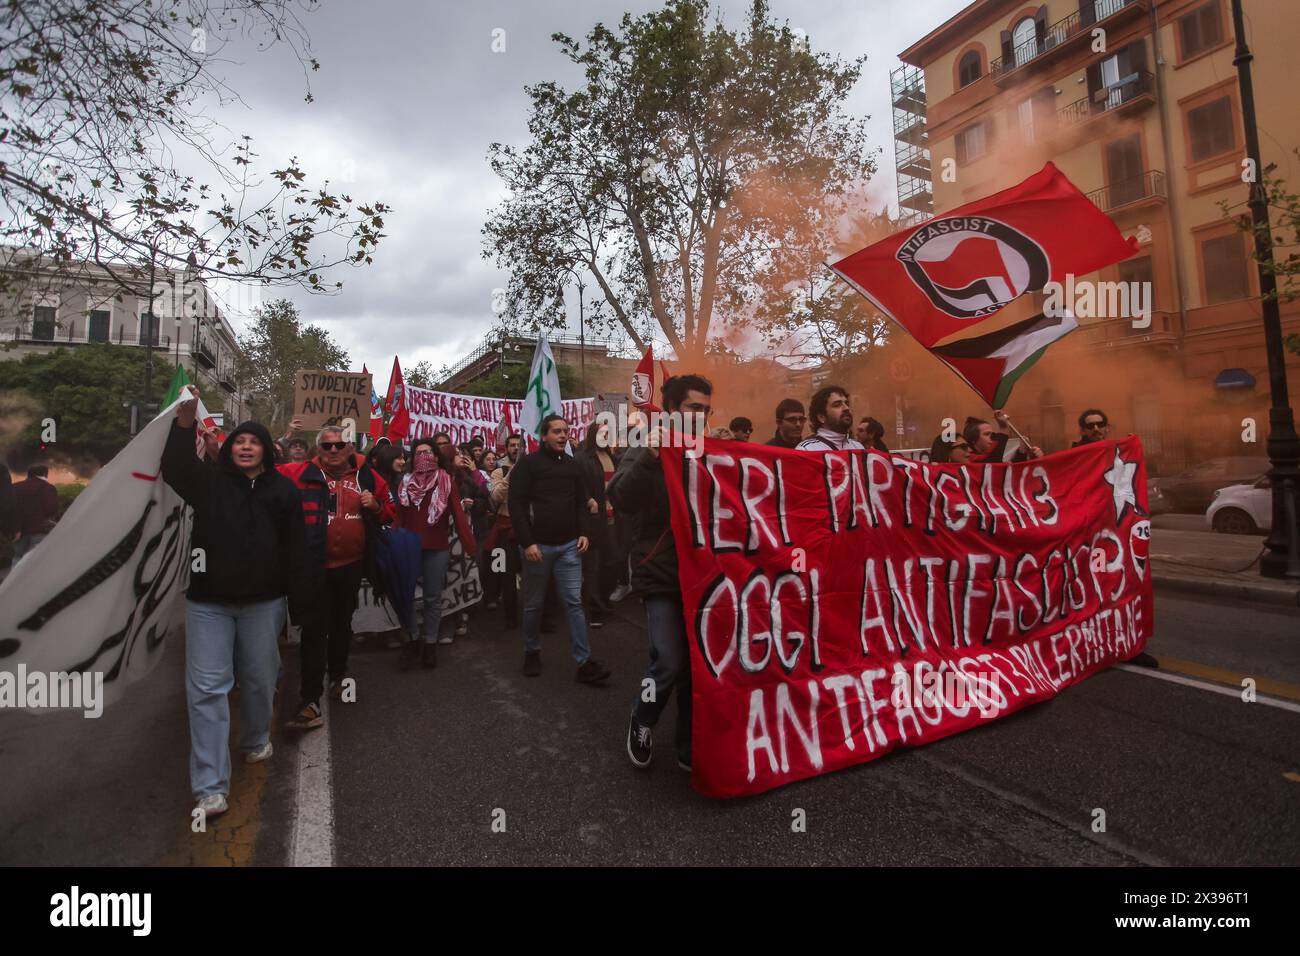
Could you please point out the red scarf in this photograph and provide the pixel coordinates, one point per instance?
(425, 477)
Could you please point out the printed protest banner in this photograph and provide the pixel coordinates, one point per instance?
(462, 587)
(98, 596)
(332, 398)
(468, 416)
(841, 604)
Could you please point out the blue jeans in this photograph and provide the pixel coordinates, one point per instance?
(26, 544)
(218, 639)
(669, 667)
(564, 563)
(433, 575)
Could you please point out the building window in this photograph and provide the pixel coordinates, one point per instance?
(43, 321)
(1201, 29)
(972, 143)
(1210, 129)
(1138, 270)
(1124, 170)
(1024, 40)
(97, 330)
(1223, 263)
(969, 69)
(148, 328)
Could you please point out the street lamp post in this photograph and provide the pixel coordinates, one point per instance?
(582, 329)
(1281, 556)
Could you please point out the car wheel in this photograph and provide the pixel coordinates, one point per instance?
(1234, 521)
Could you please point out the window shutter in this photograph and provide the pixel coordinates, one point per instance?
(1008, 57)
(1040, 26)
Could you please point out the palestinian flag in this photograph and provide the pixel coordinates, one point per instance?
(179, 381)
(946, 280)
(991, 364)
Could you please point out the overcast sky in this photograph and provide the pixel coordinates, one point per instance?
(407, 100)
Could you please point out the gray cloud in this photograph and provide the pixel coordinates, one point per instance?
(408, 98)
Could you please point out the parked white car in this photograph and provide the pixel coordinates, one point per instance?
(1242, 509)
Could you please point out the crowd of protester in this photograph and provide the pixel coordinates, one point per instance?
(289, 532)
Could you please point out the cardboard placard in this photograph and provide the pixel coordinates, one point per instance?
(332, 398)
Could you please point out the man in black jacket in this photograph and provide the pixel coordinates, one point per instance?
(638, 489)
(790, 420)
(549, 513)
(246, 555)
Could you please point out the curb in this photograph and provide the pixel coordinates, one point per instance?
(1260, 593)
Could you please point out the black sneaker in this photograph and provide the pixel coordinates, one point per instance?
(592, 671)
(428, 654)
(640, 744)
(532, 663)
(593, 623)
(684, 762)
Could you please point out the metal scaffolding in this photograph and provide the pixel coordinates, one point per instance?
(911, 144)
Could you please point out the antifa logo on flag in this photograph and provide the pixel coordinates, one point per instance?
(641, 392)
(971, 266)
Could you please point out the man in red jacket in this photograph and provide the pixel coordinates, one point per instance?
(343, 499)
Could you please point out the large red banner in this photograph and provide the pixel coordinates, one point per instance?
(841, 604)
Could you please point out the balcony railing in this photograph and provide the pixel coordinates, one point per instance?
(1079, 23)
(1108, 99)
(203, 355)
(77, 333)
(1150, 185)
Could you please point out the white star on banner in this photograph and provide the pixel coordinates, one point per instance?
(1120, 476)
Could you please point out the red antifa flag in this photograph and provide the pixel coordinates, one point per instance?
(399, 414)
(948, 276)
(643, 382)
(841, 604)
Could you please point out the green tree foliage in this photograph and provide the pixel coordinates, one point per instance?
(421, 375)
(84, 390)
(274, 346)
(692, 162)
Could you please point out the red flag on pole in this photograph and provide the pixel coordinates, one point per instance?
(643, 382)
(949, 276)
(399, 420)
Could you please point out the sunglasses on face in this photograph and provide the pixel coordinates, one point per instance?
(791, 420)
(333, 445)
(1091, 425)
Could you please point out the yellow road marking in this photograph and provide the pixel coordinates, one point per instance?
(1264, 685)
(230, 839)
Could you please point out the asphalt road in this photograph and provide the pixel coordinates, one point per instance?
(424, 762)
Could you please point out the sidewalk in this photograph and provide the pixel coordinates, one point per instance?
(1210, 563)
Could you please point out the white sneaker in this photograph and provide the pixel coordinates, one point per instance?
(262, 753)
(620, 592)
(445, 639)
(213, 805)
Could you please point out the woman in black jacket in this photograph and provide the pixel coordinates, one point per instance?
(247, 550)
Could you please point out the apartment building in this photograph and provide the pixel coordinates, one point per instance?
(46, 309)
(1137, 102)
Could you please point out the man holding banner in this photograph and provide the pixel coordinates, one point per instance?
(638, 489)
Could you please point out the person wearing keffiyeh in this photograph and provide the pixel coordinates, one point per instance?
(427, 506)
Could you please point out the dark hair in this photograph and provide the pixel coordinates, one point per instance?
(970, 430)
(941, 450)
(817, 404)
(37, 471)
(674, 390)
(382, 460)
(546, 423)
(788, 405)
(1093, 411)
(875, 433)
(741, 424)
(292, 442)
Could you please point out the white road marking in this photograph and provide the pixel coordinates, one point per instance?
(1206, 685)
(313, 817)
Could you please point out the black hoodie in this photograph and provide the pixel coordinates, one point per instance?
(250, 530)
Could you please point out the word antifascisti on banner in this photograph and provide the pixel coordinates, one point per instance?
(841, 604)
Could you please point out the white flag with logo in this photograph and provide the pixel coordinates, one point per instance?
(98, 595)
(542, 397)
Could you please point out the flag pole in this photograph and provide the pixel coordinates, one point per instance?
(1004, 419)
